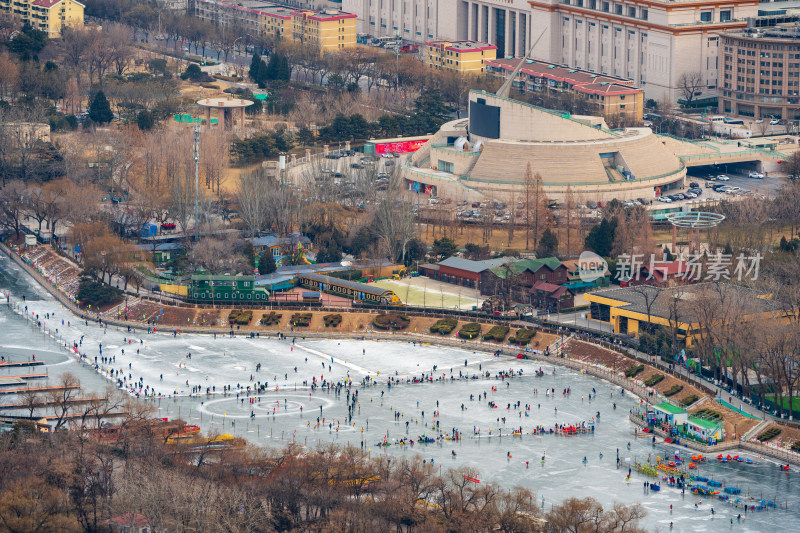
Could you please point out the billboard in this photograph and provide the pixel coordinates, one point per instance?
(400, 147)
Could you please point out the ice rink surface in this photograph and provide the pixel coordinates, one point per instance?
(405, 411)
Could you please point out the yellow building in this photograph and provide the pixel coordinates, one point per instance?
(466, 57)
(329, 29)
(275, 22)
(631, 310)
(49, 16)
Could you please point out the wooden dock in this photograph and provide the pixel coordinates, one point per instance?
(10, 364)
(48, 403)
(54, 388)
(19, 379)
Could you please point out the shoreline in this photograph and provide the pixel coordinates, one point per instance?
(594, 369)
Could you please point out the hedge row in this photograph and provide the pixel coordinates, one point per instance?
(675, 389)
(497, 333)
(522, 337)
(271, 318)
(689, 400)
(709, 414)
(469, 330)
(240, 317)
(632, 371)
(349, 275)
(391, 321)
(654, 380)
(300, 320)
(769, 433)
(444, 326)
(332, 321)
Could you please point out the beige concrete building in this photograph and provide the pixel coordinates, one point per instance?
(760, 73)
(330, 29)
(465, 57)
(486, 155)
(49, 16)
(652, 42)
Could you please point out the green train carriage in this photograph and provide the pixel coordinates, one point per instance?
(220, 289)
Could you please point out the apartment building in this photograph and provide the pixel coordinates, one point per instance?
(49, 16)
(328, 29)
(465, 57)
(652, 42)
(760, 72)
(331, 29)
(612, 96)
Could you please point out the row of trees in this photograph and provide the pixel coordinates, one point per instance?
(70, 482)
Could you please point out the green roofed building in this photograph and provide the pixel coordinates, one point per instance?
(666, 413)
(519, 277)
(704, 430)
(221, 289)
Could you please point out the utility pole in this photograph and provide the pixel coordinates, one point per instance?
(397, 62)
(196, 167)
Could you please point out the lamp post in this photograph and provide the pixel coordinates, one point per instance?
(196, 171)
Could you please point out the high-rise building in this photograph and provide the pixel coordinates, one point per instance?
(652, 42)
(759, 74)
(49, 16)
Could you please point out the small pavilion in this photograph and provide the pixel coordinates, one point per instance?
(225, 107)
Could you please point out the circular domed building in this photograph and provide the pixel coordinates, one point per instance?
(485, 156)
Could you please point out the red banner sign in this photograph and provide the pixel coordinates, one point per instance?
(402, 147)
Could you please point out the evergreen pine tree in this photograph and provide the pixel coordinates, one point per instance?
(266, 264)
(100, 109)
(255, 66)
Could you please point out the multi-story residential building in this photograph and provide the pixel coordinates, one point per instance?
(759, 74)
(613, 96)
(652, 42)
(49, 16)
(466, 57)
(329, 29)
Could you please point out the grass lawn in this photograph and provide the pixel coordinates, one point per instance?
(413, 291)
(795, 401)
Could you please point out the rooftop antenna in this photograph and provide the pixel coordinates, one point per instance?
(506, 87)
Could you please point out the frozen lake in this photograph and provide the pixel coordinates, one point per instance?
(404, 411)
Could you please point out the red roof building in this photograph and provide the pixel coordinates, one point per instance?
(130, 523)
(551, 297)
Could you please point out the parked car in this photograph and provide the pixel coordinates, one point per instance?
(591, 204)
(696, 192)
(333, 155)
(694, 185)
(665, 199)
(356, 165)
(711, 177)
(723, 177)
(756, 175)
(774, 122)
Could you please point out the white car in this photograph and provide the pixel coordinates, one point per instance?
(774, 121)
(665, 199)
(756, 175)
(723, 177)
(759, 121)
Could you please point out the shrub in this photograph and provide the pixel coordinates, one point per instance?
(497, 333)
(300, 320)
(769, 433)
(444, 326)
(350, 275)
(675, 389)
(522, 337)
(271, 318)
(632, 371)
(240, 317)
(796, 446)
(689, 400)
(654, 379)
(391, 321)
(96, 294)
(470, 330)
(332, 321)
